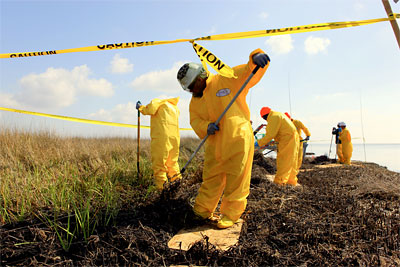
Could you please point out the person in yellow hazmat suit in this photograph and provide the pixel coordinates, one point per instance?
(339, 153)
(347, 146)
(229, 149)
(300, 127)
(165, 138)
(283, 131)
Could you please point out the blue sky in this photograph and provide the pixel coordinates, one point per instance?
(321, 77)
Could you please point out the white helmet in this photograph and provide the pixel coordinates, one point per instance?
(340, 124)
(188, 73)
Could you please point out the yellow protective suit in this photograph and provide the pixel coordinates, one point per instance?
(347, 146)
(229, 153)
(300, 127)
(282, 130)
(339, 153)
(165, 139)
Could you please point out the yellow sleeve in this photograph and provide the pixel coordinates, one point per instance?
(198, 123)
(305, 130)
(274, 123)
(243, 72)
(151, 108)
(345, 136)
(348, 136)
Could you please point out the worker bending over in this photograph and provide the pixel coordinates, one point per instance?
(229, 149)
(165, 139)
(283, 131)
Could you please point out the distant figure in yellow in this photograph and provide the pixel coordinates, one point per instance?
(300, 128)
(283, 131)
(347, 146)
(338, 143)
(165, 138)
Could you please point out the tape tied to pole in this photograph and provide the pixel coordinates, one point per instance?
(81, 120)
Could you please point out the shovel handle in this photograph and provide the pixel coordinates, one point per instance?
(221, 116)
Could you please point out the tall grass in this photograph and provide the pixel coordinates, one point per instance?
(87, 179)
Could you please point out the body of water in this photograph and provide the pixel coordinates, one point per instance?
(387, 155)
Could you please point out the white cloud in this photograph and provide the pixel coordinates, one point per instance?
(57, 88)
(8, 101)
(263, 15)
(213, 30)
(121, 113)
(314, 45)
(161, 80)
(281, 44)
(120, 65)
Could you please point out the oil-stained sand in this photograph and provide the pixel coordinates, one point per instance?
(341, 215)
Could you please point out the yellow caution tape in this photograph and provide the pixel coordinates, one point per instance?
(81, 120)
(213, 61)
(298, 29)
(228, 36)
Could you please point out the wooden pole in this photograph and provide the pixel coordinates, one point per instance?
(138, 146)
(394, 24)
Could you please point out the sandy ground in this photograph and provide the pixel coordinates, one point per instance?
(340, 215)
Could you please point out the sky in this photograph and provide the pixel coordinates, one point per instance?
(320, 77)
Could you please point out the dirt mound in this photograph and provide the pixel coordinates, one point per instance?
(346, 215)
(321, 160)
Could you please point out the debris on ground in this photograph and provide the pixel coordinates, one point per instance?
(346, 215)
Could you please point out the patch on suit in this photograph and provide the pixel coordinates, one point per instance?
(223, 92)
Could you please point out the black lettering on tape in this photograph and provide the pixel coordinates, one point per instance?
(194, 47)
(211, 60)
(101, 46)
(219, 64)
(13, 55)
(283, 30)
(118, 45)
(110, 46)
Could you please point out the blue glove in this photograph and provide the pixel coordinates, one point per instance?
(138, 105)
(307, 138)
(339, 129)
(212, 128)
(261, 59)
(256, 145)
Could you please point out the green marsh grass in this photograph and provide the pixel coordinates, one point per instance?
(74, 184)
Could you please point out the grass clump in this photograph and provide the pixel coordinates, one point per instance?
(72, 184)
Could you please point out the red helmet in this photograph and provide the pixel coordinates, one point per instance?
(264, 111)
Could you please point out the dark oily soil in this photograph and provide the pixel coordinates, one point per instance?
(341, 215)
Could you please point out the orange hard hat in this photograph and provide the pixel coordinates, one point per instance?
(264, 111)
(287, 114)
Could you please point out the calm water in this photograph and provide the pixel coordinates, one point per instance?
(387, 155)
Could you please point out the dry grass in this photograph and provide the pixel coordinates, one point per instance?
(42, 171)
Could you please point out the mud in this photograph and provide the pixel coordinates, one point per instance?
(340, 215)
